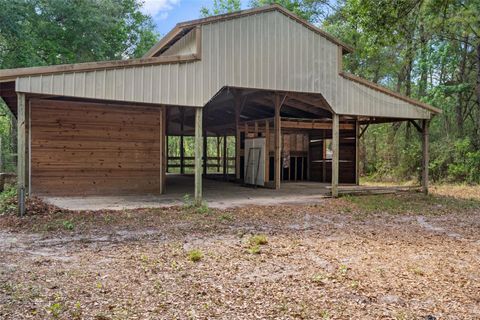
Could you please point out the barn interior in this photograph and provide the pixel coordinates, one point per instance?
(240, 125)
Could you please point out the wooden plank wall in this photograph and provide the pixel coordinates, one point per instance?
(83, 148)
(347, 158)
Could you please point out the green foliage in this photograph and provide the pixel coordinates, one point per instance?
(221, 7)
(56, 32)
(7, 200)
(195, 255)
(259, 239)
(55, 309)
(466, 162)
(255, 242)
(68, 225)
(310, 10)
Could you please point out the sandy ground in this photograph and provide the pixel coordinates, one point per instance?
(340, 259)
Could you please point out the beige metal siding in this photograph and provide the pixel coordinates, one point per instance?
(185, 45)
(265, 51)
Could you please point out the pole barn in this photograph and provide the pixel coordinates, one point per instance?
(263, 79)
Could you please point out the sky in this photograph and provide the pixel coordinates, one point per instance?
(167, 13)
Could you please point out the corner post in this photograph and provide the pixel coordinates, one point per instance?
(198, 154)
(21, 153)
(278, 139)
(335, 157)
(425, 155)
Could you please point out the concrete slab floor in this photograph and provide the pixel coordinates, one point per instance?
(217, 194)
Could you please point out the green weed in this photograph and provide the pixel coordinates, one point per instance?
(195, 255)
(258, 240)
(55, 309)
(68, 225)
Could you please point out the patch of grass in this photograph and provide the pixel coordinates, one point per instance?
(189, 204)
(76, 312)
(195, 255)
(417, 271)
(203, 208)
(408, 203)
(258, 240)
(225, 217)
(255, 242)
(68, 225)
(325, 315)
(254, 249)
(55, 309)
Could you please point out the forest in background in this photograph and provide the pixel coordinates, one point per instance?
(428, 50)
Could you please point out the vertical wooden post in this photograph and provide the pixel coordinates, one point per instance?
(225, 157)
(218, 153)
(205, 152)
(256, 129)
(198, 154)
(182, 147)
(425, 155)
(267, 151)
(237, 137)
(278, 139)
(357, 148)
(324, 158)
(335, 158)
(21, 152)
(163, 148)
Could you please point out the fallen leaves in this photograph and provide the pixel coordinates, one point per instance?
(335, 260)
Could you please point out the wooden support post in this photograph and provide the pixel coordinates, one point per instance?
(21, 153)
(164, 149)
(205, 152)
(182, 146)
(225, 157)
(278, 139)
(267, 151)
(237, 137)
(198, 155)
(425, 155)
(218, 153)
(324, 156)
(357, 148)
(335, 157)
(256, 129)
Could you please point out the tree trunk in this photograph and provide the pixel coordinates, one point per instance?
(477, 92)
(422, 85)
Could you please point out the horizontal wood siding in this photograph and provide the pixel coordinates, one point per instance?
(346, 172)
(94, 149)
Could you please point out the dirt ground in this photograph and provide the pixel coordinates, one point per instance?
(404, 256)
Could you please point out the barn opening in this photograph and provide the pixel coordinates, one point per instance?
(262, 138)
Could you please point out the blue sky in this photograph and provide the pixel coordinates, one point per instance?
(167, 13)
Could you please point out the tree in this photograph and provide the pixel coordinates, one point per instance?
(221, 7)
(43, 32)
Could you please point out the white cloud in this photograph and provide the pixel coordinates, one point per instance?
(154, 7)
